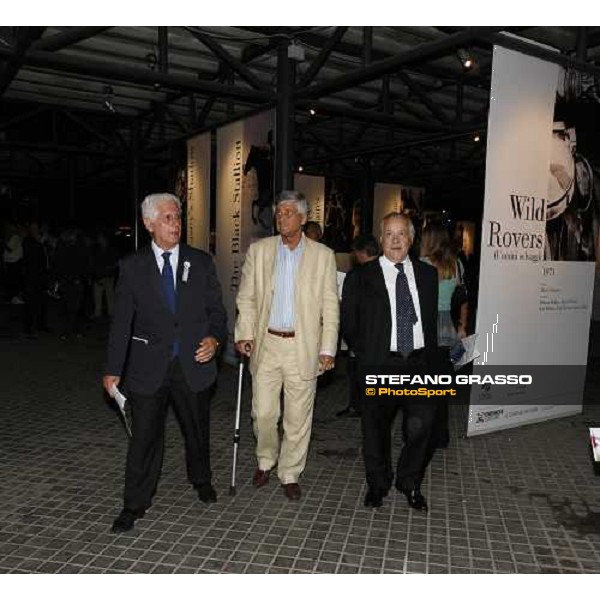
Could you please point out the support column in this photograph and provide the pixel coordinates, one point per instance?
(582, 44)
(284, 119)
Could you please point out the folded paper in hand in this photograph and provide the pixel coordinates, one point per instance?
(121, 400)
(470, 351)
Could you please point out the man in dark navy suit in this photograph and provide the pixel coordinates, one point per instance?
(389, 319)
(168, 324)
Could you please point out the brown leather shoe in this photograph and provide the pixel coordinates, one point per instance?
(260, 478)
(292, 491)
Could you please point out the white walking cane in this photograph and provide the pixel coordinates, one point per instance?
(236, 433)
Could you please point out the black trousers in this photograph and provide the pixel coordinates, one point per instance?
(354, 387)
(146, 447)
(378, 415)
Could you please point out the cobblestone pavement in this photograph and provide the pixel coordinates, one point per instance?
(518, 501)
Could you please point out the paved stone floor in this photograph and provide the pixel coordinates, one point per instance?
(520, 501)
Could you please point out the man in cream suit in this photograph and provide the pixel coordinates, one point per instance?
(288, 326)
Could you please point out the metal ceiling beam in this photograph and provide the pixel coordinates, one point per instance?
(399, 145)
(322, 57)
(536, 51)
(16, 57)
(242, 115)
(252, 51)
(366, 54)
(72, 35)
(89, 128)
(23, 117)
(375, 117)
(163, 50)
(422, 53)
(59, 148)
(420, 93)
(367, 50)
(249, 53)
(208, 105)
(119, 120)
(113, 72)
(242, 70)
(581, 44)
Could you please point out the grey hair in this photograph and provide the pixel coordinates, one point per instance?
(151, 202)
(398, 215)
(298, 198)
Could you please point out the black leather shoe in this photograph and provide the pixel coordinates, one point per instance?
(292, 491)
(416, 500)
(124, 522)
(261, 478)
(374, 498)
(206, 493)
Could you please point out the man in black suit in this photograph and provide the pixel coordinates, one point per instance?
(365, 248)
(168, 324)
(389, 319)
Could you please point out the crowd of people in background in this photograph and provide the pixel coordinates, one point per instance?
(72, 272)
(63, 279)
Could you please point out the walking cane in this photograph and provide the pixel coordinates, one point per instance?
(236, 434)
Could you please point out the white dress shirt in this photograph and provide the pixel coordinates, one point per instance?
(287, 263)
(390, 273)
(173, 259)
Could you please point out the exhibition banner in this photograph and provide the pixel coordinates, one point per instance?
(245, 155)
(391, 197)
(313, 187)
(537, 269)
(198, 191)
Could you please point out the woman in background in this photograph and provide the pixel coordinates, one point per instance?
(437, 250)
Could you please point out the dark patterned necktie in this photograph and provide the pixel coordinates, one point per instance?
(169, 290)
(406, 316)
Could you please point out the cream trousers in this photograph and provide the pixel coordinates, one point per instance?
(279, 368)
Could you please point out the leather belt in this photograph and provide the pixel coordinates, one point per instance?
(282, 334)
(408, 355)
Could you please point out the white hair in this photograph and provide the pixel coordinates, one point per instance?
(398, 215)
(151, 202)
(297, 198)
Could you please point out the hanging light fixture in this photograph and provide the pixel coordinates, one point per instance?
(108, 99)
(466, 58)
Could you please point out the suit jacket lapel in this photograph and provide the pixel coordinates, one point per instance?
(377, 279)
(270, 254)
(306, 262)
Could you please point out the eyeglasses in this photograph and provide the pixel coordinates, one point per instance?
(170, 218)
(286, 213)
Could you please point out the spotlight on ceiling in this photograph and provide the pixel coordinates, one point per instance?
(476, 137)
(300, 169)
(466, 58)
(312, 112)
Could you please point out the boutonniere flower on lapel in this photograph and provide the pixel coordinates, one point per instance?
(186, 271)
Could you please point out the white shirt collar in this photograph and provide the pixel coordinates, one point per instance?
(385, 260)
(158, 252)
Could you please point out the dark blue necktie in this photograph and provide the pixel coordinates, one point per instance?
(169, 290)
(406, 316)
